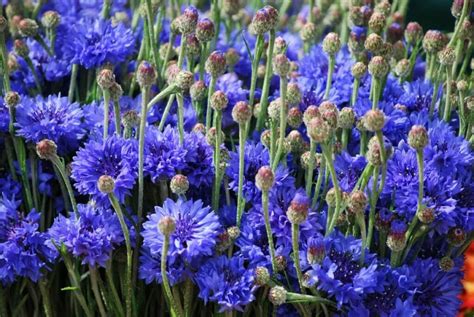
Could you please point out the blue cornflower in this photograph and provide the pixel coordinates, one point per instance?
(92, 236)
(8, 213)
(199, 163)
(115, 157)
(196, 231)
(437, 291)
(95, 42)
(417, 95)
(23, 252)
(349, 169)
(227, 282)
(164, 157)
(256, 156)
(79, 8)
(4, 117)
(53, 118)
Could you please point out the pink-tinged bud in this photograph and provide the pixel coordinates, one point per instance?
(374, 120)
(262, 276)
(179, 184)
(219, 100)
(264, 20)
(374, 154)
(211, 136)
(280, 45)
(105, 79)
(434, 41)
(396, 240)
(383, 7)
(12, 99)
(309, 32)
(295, 141)
(293, 95)
(281, 65)
(418, 137)
(377, 22)
(46, 149)
(426, 215)
(264, 179)
(241, 113)
(199, 128)
(215, 64)
(457, 6)
(447, 56)
(188, 21)
(316, 251)
(331, 44)
(306, 158)
(402, 69)
(265, 138)
(298, 210)
(310, 113)
(28, 28)
(198, 90)
(51, 19)
(329, 113)
(295, 117)
(193, 46)
(374, 43)
(277, 295)
(319, 130)
(184, 80)
(378, 67)
(21, 49)
(205, 30)
(456, 236)
(358, 201)
(413, 33)
(130, 119)
(358, 70)
(346, 118)
(146, 74)
(106, 184)
(116, 92)
(280, 263)
(167, 225)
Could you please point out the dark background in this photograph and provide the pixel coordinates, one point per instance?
(431, 14)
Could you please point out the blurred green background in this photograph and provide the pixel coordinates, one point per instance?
(431, 14)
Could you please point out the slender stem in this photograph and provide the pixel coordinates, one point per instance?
(421, 177)
(311, 164)
(295, 233)
(327, 152)
(175, 309)
(166, 112)
(266, 81)
(117, 117)
(35, 74)
(43, 286)
(202, 59)
(283, 118)
(179, 98)
(217, 162)
(169, 49)
(113, 289)
(376, 93)
(240, 199)
(363, 233)
(447, 107)
(34, 178)
(163, 94)
(95, 290)
(58, 163)
(373, 204)
(128, 278)
(106, 9)
(150, 33)
(355, 91)
(73, 81)
(212, 87)
(268, 228)
(332, 64)
(106, 93)
(319, 181)
(253, 80)
(6, 71)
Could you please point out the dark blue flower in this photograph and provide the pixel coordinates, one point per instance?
(91, 237)
(53, 118)
(116, 157)
(226, 282)
(199, 163)
(349, 169)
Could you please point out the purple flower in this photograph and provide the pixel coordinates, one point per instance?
(226, 282)
(53, 118)
(116, 157)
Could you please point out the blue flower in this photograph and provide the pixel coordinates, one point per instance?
(226, 282)
(196, 231)
(4, 117)
(91, 237)
(199, 163)
(53, 118)
(23, 252)
(94, 42)
(116, 157)
(349, 169)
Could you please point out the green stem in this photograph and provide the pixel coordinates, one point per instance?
(202, 59)
(128, 278)
(376, 94)
(373, 203)
(95, 290)
(35, 74)
(296, 254)
(45, 295)
(421, 177)
(150, 33)
(113, 289)
(217, 162)
(73, 81)
(106, 93)
(212, 87)
(253, 80)
(266, 81)
(166, 112)
(355, 91)
(179, 98)
(169, 49)
(327, 152)
(118, 125)
(319, 181)
(175, 309)
(283, 118)
(447, 107)
(332, 64)
(106, 9)
(6, 71)
(59, 164)
(240, 199)
(34, 178)
(311, 164)
(268, 228)
(360, 218)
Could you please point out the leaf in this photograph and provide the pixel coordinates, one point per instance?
(70, 288)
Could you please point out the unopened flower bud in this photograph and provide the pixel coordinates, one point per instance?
(231, 7)
(329, 113)
(215, 64)
(298, 210)
(307, 156)
(51, 19)
(12, 99)
(331, 197)
(232, 57)
(319, 130)
(199, 128)
(193, 46)
(188, 20)
(374, 43)
(264, 179)
(293, 95)
(402, 69)
(346, 118)
(281, 65)
(374, 120)
(219, 100)
(426, 215)
(28, 28)
(262, 276)
(3, 23)
(106, 79)
(396, 240)
(394, 33)
(309, 32)
(274, 110)
(466, 32)
(447, 56)
(418, 137)
(277, 295)
(383, 7)
(295, 141)
(446, 264)
(331, 44)
(184, 80)
(456, 236)
(179, 184)
(359, 69)
(233, 232)
(130, 119)
(358, 201)
(198, 90)
(378, 67)
(434, 41)
(205, 30)
(316, 251)
(310, 113)
(374, 155)
(413, 33)
(116, 92)
(163, 52)
(21, 49)
(295, 117)
(106, 184)
(456, 8)
(377, 22)
(146, 74)
(462, 86)
(265, 138)
(46, 149)
(211, 136)
(241, 113)
(167, 225)
(280, 45)
(264, 20)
